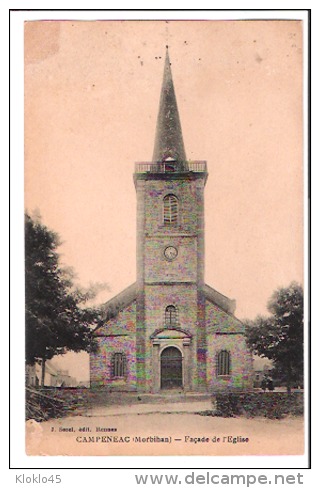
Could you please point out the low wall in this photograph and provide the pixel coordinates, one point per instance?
(259, 404)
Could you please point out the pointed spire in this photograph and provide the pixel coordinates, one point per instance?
(168, 140)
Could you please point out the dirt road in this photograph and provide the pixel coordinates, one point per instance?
(151, 429)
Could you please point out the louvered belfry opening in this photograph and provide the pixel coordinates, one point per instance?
(171, 368)
(170, 210)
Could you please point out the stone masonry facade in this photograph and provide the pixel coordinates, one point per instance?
(224, 332)
(171, 330)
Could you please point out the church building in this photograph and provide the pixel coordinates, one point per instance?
(170, 329)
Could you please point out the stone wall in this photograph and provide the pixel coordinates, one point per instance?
(117, 335)
(184, 298)
(173, 282)
(225, 332)
(185, 190)
(159, 269)
(205, 327)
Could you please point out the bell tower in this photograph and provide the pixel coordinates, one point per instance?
(170, 329)
(170, 254)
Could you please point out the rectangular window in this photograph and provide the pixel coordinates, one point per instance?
(118, 365)
(223, 363)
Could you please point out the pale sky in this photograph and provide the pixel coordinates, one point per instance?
(91, 100)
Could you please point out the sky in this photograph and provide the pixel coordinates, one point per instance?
(92, 92)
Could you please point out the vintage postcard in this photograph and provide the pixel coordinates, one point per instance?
(164, 197)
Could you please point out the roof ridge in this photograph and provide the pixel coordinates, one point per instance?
(222, 301)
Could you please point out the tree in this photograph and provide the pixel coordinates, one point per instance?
(279, 337)
(56, 319)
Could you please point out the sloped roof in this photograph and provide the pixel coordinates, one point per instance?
(50, 368)
(129, 294)
(123, 299)
(261, 364)
(220, 300)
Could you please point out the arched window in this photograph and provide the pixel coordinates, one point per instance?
(170, 210)
(119, 365)
(223, 363)
(171, 315)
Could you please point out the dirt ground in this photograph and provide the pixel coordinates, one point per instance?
(164, 430)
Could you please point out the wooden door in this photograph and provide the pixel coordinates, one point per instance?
(171, 368)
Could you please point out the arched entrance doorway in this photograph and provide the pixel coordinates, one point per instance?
(171, 368)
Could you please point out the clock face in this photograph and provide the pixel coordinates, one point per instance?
(171, 253)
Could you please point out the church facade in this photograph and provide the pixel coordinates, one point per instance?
(170, 329)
